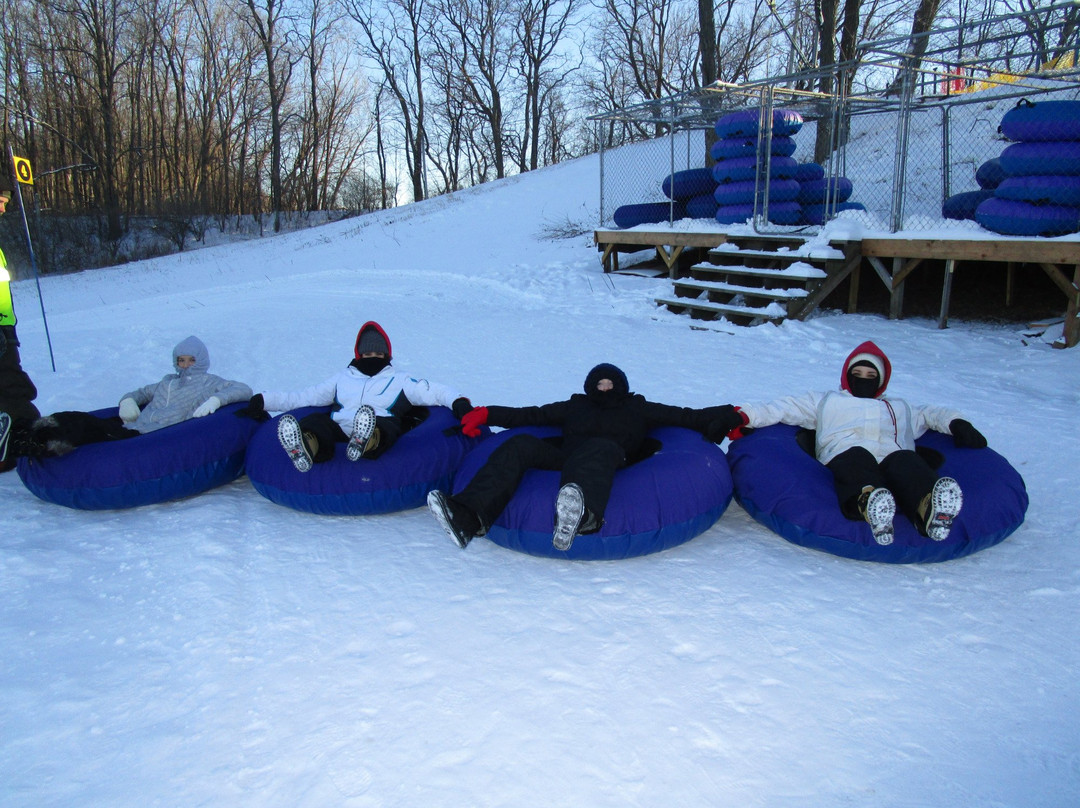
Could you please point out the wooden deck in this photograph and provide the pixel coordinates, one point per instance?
(893, 259)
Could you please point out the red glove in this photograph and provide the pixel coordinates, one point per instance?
(473, 420)
(737, 432)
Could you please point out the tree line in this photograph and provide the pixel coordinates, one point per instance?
(176, 108)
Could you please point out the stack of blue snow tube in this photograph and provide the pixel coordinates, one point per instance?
(821, 196)
(740, 166)
(963, 205)
(1040, 192)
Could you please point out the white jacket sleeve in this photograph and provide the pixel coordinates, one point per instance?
(318, 395)
(794, 410)
(423, 393)
(935, 418)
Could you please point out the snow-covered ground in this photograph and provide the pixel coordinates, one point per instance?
(223, 650)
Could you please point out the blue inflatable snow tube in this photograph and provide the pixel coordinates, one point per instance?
(648, 213)
(683, 185)
(701, 207)
(742, 193)
(791, 493)
(1044, 189)
(423, 459)
(990, 174)
(783, 213)
(815, 214)
(1011, 217)
(963, 206)
(177, 461)
(660, 502)
(1024, 159)
(812, 192)
(727, 148)
(807, 172)
(1042, 121)
(746, 122)
(741, 169)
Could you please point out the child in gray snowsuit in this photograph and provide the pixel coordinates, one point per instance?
(190, 392)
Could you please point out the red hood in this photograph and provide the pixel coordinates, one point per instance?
(377, 327)
(868, 351)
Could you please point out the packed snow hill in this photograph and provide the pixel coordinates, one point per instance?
(226, 650)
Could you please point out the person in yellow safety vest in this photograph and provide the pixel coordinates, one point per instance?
(17, 392)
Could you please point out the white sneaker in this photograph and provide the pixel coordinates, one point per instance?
(363, 426)
(569, 511)
(292, 441)
(946, 499)
(879, 512)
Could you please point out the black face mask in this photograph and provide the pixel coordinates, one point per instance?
(863, 388)
(371, 365)
(606, 398)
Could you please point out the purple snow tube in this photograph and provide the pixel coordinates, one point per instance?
(783, 213)
(701, 207)
(683, 185)
(741, 169)
(1046, 189)
(1060, 157)
(746, 122)
(990, 174)
(177, 461)
(423, 459)
(791, 493)
(1011, 217)
(836, 189)
(657, 503)
(1042, 121)
(963, 206)
(648, 213)
(741, 193)
(747, 146)
(815, 214)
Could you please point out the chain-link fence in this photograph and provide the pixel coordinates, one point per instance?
(894, 141)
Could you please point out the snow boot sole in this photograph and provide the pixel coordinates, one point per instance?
(569, 511)
(363, 426)
(292, 441)
(946, 499)
(880, 510)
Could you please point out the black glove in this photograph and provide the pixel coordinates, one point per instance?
(460, 407)
(730, 420)
(254, 409)
(965, 436)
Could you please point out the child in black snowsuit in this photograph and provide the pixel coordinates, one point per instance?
(603, 430)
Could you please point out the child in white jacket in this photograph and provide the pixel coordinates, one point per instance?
(868, 442)
(369, 405)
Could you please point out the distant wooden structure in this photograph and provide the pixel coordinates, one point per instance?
(750, 279)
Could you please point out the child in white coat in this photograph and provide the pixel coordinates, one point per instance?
(868, 442)
(369, 402)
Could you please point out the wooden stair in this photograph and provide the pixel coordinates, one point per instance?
(761, 279)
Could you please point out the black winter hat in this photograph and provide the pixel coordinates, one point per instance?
(372, 339)
(607, 371)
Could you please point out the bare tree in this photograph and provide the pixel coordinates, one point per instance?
(269, 22)
(392, 33)
(541, 27)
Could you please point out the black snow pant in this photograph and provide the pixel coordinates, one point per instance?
(592, 465)
(17, 392)
(905, 473)
(61, 432)
(327, 432)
